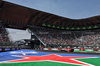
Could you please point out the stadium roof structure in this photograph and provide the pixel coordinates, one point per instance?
(19, 17)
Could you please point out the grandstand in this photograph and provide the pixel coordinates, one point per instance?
(52, 30)
(5, 41)
(6, 44)
(61, 38)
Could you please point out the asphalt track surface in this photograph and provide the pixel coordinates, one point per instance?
(63, 52)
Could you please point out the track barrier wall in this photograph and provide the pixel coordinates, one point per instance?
(8, 49)
(75, 50)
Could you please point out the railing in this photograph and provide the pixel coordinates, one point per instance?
(39, 39)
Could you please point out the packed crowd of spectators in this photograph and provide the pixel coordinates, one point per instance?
(70, 39)
(54, 37)
(4, 39)
(88, 40)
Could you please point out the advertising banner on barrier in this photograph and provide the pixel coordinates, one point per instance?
(7, 49)
(56, 49)
(0, 49)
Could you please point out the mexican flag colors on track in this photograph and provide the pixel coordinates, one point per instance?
(33, 58)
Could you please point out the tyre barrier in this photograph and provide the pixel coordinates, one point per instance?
(8, 49)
